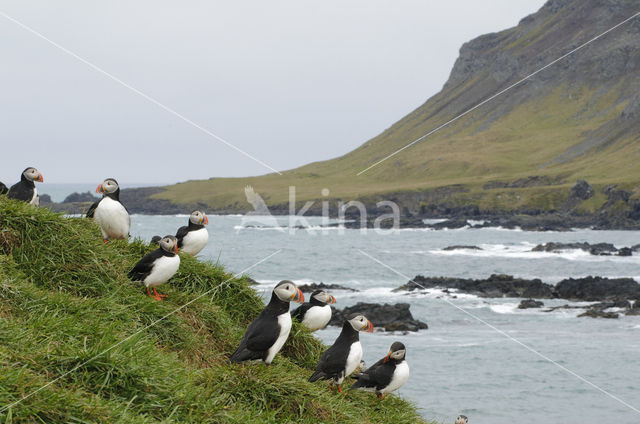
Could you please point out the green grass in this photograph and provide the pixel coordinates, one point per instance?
(65, 298)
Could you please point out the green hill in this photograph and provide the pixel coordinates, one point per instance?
(579, 118)
(65, 298)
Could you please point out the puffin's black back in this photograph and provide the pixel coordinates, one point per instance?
(334, 360)
(144, 267)
(22, 190)
(262, 333)
(301, 310)
(377, 376)
(3, 188)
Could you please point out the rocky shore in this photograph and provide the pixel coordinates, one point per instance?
(388, 317)
(620, 293)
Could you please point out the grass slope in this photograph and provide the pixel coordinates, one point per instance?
(65, 297)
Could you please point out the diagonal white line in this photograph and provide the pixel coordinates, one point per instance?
(529, 348)
(135, 90)
(11, 405)
(417, 140)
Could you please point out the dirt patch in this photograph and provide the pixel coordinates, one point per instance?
(8, 240)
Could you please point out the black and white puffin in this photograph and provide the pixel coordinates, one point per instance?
(315, 314)
(3, 188)
(266, 335)
(193, 238)
(158, 266)
(388, 374)
(344, 356)
(462, 419)
(25, 189)
(111, 215)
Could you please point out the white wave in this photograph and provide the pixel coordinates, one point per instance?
(504, 308)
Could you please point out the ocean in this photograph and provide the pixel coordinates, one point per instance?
(488, 360)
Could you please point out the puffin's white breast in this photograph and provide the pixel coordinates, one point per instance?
(35, 200)
(195, 241)
(163, 269)
(400, 376)
(113, 218)
(354, 358)
(317, 317)
(284, 322)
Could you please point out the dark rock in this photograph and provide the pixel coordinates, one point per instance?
(497, 285)
(80, 197)
(449, 224)
(635, 310)
(582, 190)
(625, 251)
(250, 281)
(600, 249)
(390, 317)
(308, 288)
(461, 247)
(45, 199)
(530, 303)
(596, 313)
(598, 288)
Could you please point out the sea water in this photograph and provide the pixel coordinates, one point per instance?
(484, 358)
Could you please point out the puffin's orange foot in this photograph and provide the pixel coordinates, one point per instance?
(106, 240)
(339, 388)
(380, 396)
(158, 295)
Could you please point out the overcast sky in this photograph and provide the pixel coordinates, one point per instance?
(289, 82)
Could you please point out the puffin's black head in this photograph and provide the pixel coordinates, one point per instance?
(323, 296)
(169, 244)
(462, 419)
(359, 322)
(32, 174)
(108, 186)
(198, 218)
(397, 352)
(287, 291)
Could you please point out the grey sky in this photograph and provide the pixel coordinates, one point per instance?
(290, 82)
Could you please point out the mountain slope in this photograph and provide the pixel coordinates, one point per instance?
(579, 118)
(65, 298)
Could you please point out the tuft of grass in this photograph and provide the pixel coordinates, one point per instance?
(65, 299)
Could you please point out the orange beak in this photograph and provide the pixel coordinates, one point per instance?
(205, 220)
(40, 178)
(175, 249)
(298, 297)
(386, 358)
(332, 300)
(99, 189)
(368, 327)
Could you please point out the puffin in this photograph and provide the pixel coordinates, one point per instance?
(25, 189)
(462, 419)
(193, 238)
(315, 314)
(111, 215)
(266, 335)
(344, 356)
(3, 188)
(386, 375)
(158, 266)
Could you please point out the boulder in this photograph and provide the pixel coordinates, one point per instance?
(462, 247)
(530, 303)
(309, 288)
(598, 249)
(598, 288)
(582, 190)
(390, 317)
(81, 197)
(625, 251)
(497, 285)
(597, 313)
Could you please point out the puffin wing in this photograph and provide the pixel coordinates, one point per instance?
(92, 210)
(259, 337)
(144, 266)
(300, 311)
(378, 375)
(181, 233)
(20, 191)
(331, 364)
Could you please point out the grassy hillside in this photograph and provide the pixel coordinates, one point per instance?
(65, 297)
(577, 119)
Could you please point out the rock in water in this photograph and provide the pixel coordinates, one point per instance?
(390, 317)
(530, 303)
